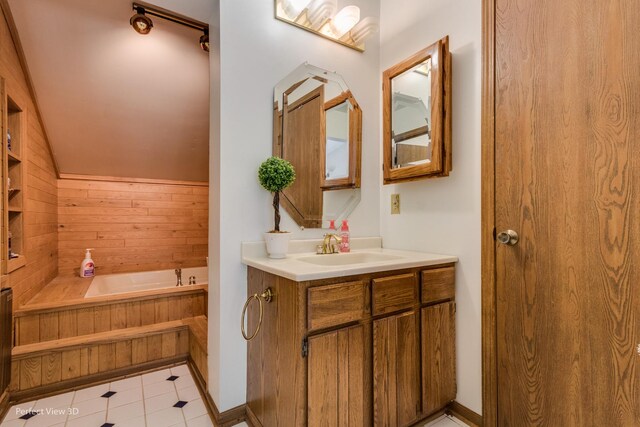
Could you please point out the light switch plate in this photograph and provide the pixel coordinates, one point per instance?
(395, 204)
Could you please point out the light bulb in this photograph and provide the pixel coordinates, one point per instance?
(344, 20)
(364, 29)
(293, 8)
(319, 11)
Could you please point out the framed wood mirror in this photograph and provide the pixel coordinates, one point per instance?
(340, 155)
(416, 115)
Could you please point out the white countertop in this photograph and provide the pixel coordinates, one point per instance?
(292, 267)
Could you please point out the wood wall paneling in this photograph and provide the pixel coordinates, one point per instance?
(132, 226)
(39, 189)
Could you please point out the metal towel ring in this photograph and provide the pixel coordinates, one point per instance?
(266, 295)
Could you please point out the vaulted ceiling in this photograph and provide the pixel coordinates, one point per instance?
(113, 102)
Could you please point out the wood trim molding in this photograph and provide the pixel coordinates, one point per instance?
(464, 414)
(227, 418)
(230, 417)
(423, 130)
(78, 177)
(56, 346)
(337, 100)
(252, 420)
(489, 331)
(56, 306)
(8, 16)
(4, 403)
(355, 145)
(95, 379)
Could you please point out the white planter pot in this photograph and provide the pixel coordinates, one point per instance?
(277, 244)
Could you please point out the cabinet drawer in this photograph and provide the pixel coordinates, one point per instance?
(394, 293)
(333, 305)
(438, 284)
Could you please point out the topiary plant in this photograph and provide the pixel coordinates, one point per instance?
(276, 174)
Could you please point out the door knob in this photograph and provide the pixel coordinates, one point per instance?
(508, 237)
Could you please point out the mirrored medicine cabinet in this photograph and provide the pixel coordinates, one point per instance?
(417, 116)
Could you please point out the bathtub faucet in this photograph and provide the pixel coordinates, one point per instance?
(179, 276)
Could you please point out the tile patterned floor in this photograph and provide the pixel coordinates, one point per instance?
(163, 398)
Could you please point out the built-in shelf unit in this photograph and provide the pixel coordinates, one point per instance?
(13, 152)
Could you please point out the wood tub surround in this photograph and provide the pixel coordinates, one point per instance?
(54, 362)
(64, 340)
(198, 331)
(50, 367)
(41, 321)
(372, 349)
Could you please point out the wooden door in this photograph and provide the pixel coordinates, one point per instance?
(336, 379)
(438, 356)
(396, 370)
(567, 180)
(302, 145)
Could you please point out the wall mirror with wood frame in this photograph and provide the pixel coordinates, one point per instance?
(417, 115)
(317, 126)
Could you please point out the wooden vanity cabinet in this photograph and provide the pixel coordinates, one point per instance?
(375, 349)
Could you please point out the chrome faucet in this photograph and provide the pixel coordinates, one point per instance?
(179, 277)
(327, 247)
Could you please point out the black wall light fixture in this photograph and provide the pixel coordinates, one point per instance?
(141, 22)
(204, 40)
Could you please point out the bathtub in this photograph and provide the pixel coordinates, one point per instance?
(111, 284)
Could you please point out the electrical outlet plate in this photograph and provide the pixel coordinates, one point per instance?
(395, 204)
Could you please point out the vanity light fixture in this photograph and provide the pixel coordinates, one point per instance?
(143, 24)
(320, 17)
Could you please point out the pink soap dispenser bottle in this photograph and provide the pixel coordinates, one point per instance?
(344, 235)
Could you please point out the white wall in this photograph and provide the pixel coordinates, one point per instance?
(443, 215)
(256, 51)
(213, 313)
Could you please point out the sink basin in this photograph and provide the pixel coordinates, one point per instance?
(348, 258)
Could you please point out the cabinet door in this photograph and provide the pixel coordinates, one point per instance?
(438, 356)
(336, 378)
(396, 370)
